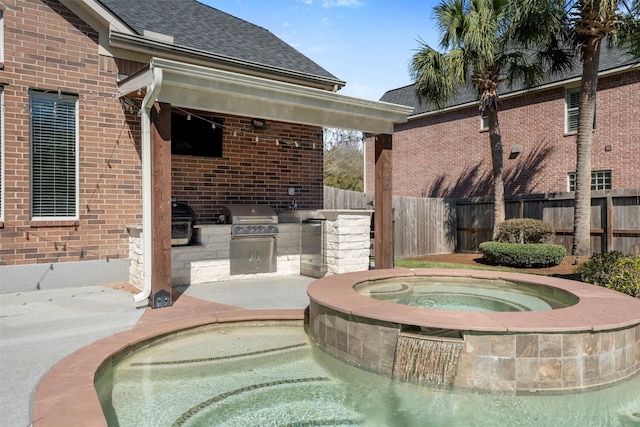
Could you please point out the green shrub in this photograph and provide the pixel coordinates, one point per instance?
(518, 255)
(613, 270)
(525, 230)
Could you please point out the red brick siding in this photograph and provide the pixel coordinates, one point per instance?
(49, 48)
(253, 171)
(447, 155)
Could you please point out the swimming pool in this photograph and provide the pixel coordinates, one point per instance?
(270, 374)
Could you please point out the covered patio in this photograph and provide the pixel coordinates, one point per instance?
(164, 84)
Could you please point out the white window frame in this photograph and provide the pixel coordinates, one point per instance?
(572, 108)
(68, 102)
(600, 180)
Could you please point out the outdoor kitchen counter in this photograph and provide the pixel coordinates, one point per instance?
(207, 259)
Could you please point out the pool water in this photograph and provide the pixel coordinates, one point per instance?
(271, 375)
(467, 294)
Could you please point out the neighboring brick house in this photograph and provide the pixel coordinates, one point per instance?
(73, 137)
(446, 153)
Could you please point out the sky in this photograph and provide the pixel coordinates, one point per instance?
(367, 43)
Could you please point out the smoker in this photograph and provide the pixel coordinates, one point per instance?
(183, 218)
(254, 229)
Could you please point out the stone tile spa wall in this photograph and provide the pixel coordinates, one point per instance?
(594, 343)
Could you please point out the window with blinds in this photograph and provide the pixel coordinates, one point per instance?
(572, 101)
(54, 162)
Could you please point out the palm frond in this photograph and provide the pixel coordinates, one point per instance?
(436, 75)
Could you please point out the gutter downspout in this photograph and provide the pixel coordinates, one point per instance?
(145, 110)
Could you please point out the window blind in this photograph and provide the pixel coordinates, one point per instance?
(53, 155)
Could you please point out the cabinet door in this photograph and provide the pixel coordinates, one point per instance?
(241, 256)
(253, 255)
(264, 255)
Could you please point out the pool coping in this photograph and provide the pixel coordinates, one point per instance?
(67, 394)
(598, 308)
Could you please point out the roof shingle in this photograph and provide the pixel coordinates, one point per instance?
(609, 59)
(198, 26)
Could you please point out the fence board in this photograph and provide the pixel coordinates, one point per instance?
(424, 226)
(626, 224)
(622, 213)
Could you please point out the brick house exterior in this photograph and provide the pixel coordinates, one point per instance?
(446, 153)
(66, 49)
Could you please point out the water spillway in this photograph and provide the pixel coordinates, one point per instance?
(426, 360)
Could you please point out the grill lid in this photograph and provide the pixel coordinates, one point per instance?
(249, 214)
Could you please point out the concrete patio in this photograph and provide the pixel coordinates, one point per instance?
(39, 329)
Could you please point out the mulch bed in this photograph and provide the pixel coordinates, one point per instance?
(564, 269)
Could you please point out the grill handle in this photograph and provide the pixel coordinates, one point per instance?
(254, 256)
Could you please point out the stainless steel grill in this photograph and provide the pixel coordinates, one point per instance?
(253, 246)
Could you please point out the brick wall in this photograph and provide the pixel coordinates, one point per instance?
(49, 48)
(253, 171)
(447, 155)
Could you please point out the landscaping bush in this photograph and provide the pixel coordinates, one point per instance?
(525, 230)
(613, 270)
(517, 255)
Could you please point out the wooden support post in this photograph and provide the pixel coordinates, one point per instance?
(609, 224)
(383, 221)
(161, 205)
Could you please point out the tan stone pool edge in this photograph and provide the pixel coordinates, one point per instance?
(66, 396)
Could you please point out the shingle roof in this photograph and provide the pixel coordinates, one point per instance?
(198, 26)
(609, 59)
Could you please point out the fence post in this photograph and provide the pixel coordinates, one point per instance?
(384, 202)
(609, 231)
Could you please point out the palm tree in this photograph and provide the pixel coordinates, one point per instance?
(584, 24)
(479, 52)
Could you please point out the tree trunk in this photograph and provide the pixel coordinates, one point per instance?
(495, 140)
(586, 115)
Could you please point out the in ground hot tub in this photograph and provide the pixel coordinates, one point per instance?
(590, 340)
(467, 294)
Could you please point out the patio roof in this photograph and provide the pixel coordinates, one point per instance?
(174, 83)
(194, 86)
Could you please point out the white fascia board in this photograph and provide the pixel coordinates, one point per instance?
(140, 80)
(202, 88)
(91, 9)
(100, 19)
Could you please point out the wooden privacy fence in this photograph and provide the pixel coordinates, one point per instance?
(421, 226)
(424, 226)
(615, 219)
